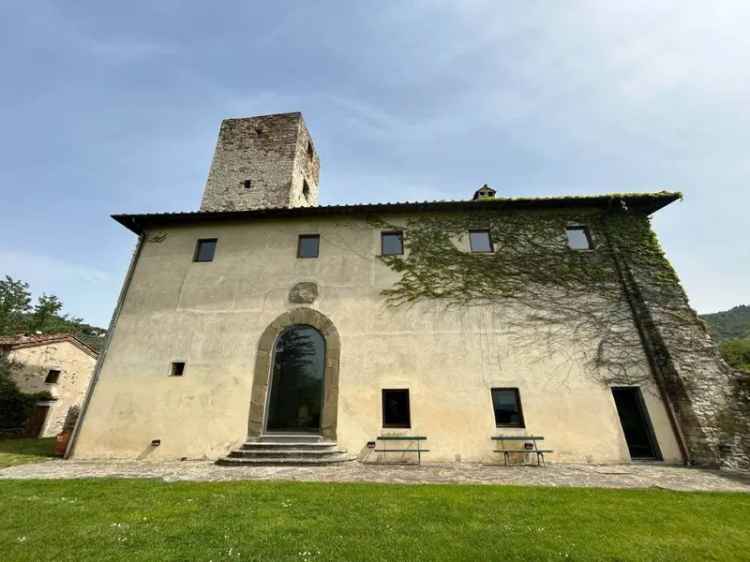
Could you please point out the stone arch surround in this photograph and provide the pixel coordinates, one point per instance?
(262, 375)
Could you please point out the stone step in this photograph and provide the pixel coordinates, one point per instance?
(292, 461)
(289, 438)
(286, 453)
(268, 446)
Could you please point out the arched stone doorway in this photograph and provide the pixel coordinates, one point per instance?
(306, 322)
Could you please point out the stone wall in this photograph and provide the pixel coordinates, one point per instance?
(736, 446)
(76, 367)
(274, 153)
(686, 363)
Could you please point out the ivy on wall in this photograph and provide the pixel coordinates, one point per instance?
(568, 293)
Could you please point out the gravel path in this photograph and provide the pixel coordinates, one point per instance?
(609, 476)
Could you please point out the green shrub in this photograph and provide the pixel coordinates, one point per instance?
(15, 406)
(737, 353)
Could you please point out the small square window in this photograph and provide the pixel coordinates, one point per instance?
(392, 243)
(308, 246)
(178, 369)
(53, 376)
(579, 238)
(247, 184)
(205, 249)
(396, 408)
(480, 241)
(506, 402)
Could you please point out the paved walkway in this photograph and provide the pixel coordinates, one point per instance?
(609, 476)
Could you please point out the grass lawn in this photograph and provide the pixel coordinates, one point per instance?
(151, 520)
(22, 451)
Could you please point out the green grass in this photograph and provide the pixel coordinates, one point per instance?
(151, 520)
(23, 451)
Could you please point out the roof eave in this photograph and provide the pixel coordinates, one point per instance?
(647, 203)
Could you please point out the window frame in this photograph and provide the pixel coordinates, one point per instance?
(522, 423)
(57, 373)
(489, 239)
(385, 233)
(299, 246)
(383, 392)
(586, 232)
(198, 243)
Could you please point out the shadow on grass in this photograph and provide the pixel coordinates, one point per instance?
(23, 451)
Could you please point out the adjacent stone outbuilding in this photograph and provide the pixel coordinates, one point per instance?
(59, 364)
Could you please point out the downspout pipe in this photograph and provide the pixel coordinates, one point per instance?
(107, 341)
(634, 298)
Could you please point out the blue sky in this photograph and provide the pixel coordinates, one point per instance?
(115, 107)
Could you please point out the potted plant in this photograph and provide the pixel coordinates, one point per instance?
(61, 442)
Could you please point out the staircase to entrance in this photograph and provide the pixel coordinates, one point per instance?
(286, 450)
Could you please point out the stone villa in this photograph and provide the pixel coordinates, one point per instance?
(266, 327)
(60, 364)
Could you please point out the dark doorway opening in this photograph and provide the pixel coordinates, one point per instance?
(35, 423)
(296, 399)
(636, 425)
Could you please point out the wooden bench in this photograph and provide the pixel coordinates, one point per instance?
(415, 438)
(534, 451)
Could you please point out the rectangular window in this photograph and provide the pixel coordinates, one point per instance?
(480, 241)
(178, 369)
(579, 238)
(392, 243)
(396, 408)
(308, 246)
(205, 249)
(507, 405)
(247, 184)
(52, 376)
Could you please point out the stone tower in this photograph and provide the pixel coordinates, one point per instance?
(259, 162)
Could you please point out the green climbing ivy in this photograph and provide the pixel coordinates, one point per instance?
(533, 267)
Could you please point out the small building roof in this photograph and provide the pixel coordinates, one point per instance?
(9, 343)
(642, 202)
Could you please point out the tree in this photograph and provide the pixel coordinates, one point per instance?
(46, 314)
(15, 299)
(737, 353)
(15, 406)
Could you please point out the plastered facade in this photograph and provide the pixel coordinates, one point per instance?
(213, 316)
(31, 366)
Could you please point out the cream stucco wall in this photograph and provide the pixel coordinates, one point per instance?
(211, 316)
(31, 365)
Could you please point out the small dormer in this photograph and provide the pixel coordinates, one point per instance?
(484, 192)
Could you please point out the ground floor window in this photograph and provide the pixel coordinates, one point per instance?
(506, 402)
(396, 408)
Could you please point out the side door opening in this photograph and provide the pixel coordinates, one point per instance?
(636, 425)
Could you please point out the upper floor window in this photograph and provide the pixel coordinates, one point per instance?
(579, 238)
(310, 151)
(392, 243)
(308, 246)
(178, 369)
(247, 184)
(480, 241)
(506, 402)
(53, 375)
(305, 189)
(205, 249)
